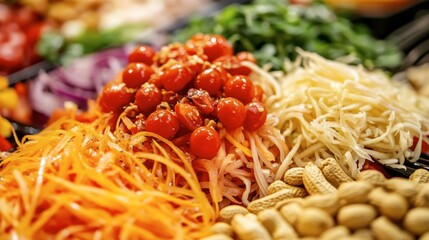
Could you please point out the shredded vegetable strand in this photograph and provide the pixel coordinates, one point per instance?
(345, 112)
(71, 174)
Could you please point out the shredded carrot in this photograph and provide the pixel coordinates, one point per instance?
(78, 181)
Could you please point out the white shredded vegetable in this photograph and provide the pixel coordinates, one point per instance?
(331, 109)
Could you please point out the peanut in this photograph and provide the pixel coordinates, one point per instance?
(280, 185)
(247, 228)
(424, 236)
(291, 212)
(382, 228)
(402, 186)
(270, 200)
(417, 221)
(293, 176)
(354, 192)
(420, 176)
(222, 228)
(391, 205)
(363, 234)
(276, 225)
(252, 216)
(334, 173)
(315, 182)
(227, 213)
(356, 216)
(335, 233)
(373, 177)
(217, 237)
(422, 197)
(276, 186)
(326, 202)
(313, 222)
(282, 203)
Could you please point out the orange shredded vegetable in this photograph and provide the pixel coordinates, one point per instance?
(81, 181)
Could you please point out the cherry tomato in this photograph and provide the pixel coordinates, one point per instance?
(372, 165)
(214, 46)
(209, 80)
(143, 54)
(194, 48)
(246, 56)
(163, 123)
(233, 65)
(231, 112)
(156, 80)
(170, 97)
(194, 62)
(188, 116)
(239, 87)
(202, 100)
(6, 14)
(135, 74)
(258, 93)
(24, 17)
(148, 97)
(114, 97)
(205, 142)
(5, 145)
(12, 49)
(176, 77)
(425, 145)
(256, 115)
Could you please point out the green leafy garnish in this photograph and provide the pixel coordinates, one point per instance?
(273, 29)
(55, 48)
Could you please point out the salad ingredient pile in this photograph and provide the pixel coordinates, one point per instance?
(272, 30)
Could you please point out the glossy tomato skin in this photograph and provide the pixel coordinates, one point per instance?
(233, 65)
(202, 100)
(209, 80)
(156, 80)
(239, 87)
(147, 98)
(142, 54)
(258, 93)
(214, 46)
(425, 145)
(5, 145)
(231, 112)
(194, 63)
(373, 165)
(176, 77)
(256, 115)
(163, 122)
(20, 30)
(205, 142)
(188, 115)
(12, 47)
(115, 97)
(135, 74)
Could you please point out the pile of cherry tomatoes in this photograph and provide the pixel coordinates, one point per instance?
(184, 91)
(20, 30)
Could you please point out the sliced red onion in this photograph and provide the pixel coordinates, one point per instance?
(77, 82)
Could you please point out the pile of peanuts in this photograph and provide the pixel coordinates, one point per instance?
(325, 203)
